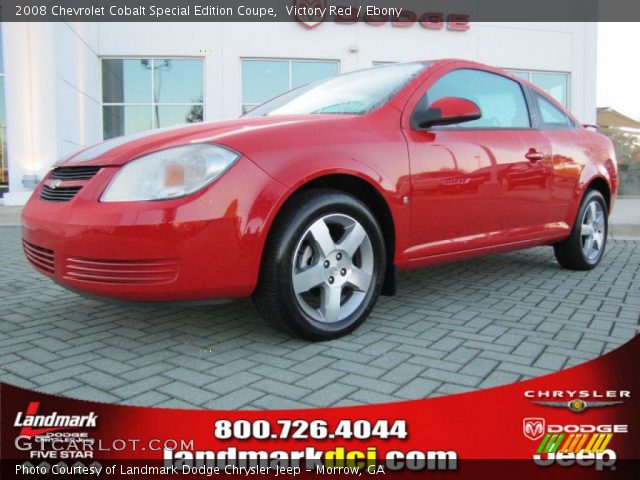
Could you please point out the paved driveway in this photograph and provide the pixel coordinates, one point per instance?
(451, 328)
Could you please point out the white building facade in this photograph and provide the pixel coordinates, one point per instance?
(65, 86)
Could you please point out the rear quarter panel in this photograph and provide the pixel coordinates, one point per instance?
(602, 164)
(592, 158)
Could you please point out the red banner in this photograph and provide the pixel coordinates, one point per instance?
(582, 422)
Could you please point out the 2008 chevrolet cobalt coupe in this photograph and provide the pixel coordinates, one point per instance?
(312, 200)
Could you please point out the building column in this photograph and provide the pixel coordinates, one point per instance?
(29, 64)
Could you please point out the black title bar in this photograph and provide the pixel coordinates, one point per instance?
(311, 12)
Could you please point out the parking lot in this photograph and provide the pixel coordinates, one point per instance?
(451, 328)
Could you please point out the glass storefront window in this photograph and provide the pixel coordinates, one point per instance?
(265, 79)
(141, 94)
(303, 73)
(178, 81)
(524, 75)
(125, 119)
(126, 81)
(1, 53)
(555, 84)
(167, 115)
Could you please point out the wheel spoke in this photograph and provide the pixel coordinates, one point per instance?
(330, 307)
(598, 240)
(588, 246)
(587, 230)
(593, 231)
(320, 233)
(359, 279)
(353, 238)
(593, 211)
(307, 279)
(318, 287)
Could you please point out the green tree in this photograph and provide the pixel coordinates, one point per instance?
(626, 144)
(195, 114)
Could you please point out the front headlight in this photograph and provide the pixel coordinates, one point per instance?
(169, 173)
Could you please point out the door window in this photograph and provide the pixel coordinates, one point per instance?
(500, 99)
(552, 116)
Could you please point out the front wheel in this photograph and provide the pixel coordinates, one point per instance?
(585, 246)
(323, 266)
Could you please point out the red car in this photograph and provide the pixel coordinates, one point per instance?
(311, 201)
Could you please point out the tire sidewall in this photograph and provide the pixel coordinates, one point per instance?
(320, 206)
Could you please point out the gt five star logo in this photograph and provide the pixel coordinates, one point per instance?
(31, 423)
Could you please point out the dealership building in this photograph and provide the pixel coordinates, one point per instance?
(64, 86)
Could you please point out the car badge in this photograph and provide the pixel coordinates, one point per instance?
(533, 427)
(577, 405)
(54, 183)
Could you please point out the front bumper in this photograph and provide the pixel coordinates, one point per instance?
(204, 246)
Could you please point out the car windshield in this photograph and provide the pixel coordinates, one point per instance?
(354, 93)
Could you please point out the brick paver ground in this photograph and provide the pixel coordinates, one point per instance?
(451, 328)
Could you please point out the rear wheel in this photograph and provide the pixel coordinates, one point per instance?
(585, 246)
(323, 266)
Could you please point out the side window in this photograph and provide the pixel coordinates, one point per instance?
(552, 116)
(500, 99)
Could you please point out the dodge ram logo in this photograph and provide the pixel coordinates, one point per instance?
(533, 428)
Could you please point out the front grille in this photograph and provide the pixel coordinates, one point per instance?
(58, 175)
(58, 194)
(40, 257)
(74, 173)
(145, 272)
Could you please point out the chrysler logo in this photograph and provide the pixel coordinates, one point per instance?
(578, 405)
(533, 428)
(54, 183)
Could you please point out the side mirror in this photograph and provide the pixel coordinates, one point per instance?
(446, 111)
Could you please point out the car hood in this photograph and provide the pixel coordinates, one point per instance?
(234, 134)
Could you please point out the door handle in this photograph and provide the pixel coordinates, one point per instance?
(533, 155)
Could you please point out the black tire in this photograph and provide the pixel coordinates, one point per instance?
(275, 297)
(570, 253)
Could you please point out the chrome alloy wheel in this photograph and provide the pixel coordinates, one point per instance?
(332, 268)
(593, 231)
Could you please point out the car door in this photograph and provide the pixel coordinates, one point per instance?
(571, 148)
(482, 182)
